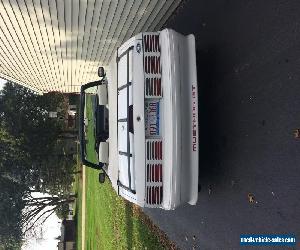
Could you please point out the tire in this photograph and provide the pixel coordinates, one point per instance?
(101, 177)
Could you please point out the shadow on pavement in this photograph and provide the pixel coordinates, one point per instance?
(212, 136)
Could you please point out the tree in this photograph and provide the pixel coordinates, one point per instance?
(11, 205)
(14, 178)
(39, 208)
(25, 116)
(14, 164)
(29, 164)
(22, 208)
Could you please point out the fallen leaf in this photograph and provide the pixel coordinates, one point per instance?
(297, 133)
(251, 198)
(209, 190)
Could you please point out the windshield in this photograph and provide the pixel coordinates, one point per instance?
(93, 122)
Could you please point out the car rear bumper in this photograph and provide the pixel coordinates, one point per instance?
(180, 115)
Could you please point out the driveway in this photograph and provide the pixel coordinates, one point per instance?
(248, 60)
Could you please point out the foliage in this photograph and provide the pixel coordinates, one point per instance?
(25, 115)
(62, 211)
(13, 161)
(12, 179)
(11, 205)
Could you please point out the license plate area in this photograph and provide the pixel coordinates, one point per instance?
(152, 118)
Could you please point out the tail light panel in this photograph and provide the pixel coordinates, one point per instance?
(154, 173)
(153, 94)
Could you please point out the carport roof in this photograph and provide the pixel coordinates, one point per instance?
(57, 45)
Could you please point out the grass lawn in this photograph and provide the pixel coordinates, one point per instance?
(112, 222)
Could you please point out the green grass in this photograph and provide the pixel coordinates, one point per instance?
(111, 222)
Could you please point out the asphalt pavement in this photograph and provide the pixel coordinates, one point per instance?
(248, 61)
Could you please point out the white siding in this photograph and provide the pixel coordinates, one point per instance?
(57, 45)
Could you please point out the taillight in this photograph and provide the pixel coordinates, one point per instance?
(154, 150)
(154, 195)
(153, 87)
(154, 173)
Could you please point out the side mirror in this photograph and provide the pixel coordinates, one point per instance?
(102, 94)
(101, 177)
(101, 72)
(103, 152)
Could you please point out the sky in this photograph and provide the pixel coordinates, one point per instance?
(47, 233)
(2, 81)
(51, 230)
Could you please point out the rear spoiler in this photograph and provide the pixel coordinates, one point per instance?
(81, 125)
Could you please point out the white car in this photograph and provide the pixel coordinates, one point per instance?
(146, 116)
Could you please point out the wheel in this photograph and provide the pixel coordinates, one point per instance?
(101, 177)
(101, 72)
